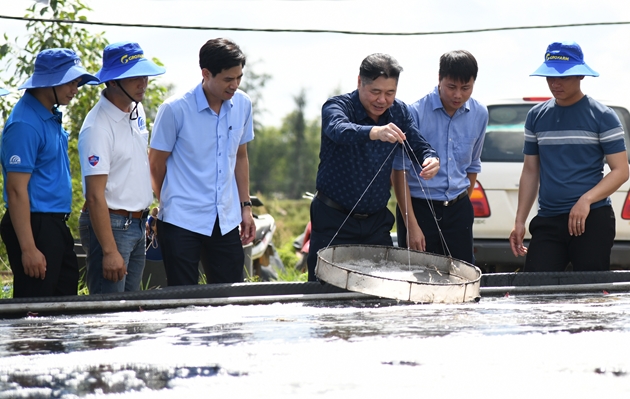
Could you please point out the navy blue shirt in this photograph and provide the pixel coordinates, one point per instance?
(349, 160)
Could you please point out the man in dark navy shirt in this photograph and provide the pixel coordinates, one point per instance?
(360, 136)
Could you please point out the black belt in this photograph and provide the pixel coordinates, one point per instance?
(327, 201)
(62, 216)
(451, 202)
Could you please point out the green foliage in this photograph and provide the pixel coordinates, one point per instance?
(253, 84)
(19, 65)
(283, 161)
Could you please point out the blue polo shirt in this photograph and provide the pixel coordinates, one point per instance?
(571, 143)
(458, 139)
(34, 142)
(200, 182)
(350, 162)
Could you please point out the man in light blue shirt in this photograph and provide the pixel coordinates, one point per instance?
(436, 215)
(200, 172)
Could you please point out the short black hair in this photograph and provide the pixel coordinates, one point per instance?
(458, 65)
(219, 54)
(377, 65)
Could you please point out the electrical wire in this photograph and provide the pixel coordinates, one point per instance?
(345, 32)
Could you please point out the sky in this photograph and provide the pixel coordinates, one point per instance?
(323, 64)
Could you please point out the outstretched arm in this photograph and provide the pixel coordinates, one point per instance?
(527, 192)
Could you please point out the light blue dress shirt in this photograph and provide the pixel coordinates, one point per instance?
(458, 141)
(200, 182)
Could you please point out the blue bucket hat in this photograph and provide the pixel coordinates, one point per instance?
(564, 59)
(126, 60)
(57, 66)
(3, 92)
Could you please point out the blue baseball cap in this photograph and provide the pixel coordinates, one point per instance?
(57, 66)
(126, 60)
(3, 92)
(564, 59)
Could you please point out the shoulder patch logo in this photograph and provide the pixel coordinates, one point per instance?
(142, 124)
(15, 160)
(93, 160)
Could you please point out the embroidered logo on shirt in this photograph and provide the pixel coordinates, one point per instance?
(93, 160)
(15, 160)
(142, 124)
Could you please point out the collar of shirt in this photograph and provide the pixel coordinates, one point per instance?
(361, 114)
(202, 101)
(436, 103)
(39, 108)
(111, 110)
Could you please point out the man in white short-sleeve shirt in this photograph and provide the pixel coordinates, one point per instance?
(113, 147)
(200, 172)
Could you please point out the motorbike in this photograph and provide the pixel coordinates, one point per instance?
(261, 257)
(262, 261)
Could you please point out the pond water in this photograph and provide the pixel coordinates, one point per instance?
(553, 346)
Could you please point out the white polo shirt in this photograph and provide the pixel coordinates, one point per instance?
(200, 182)
(112, 144)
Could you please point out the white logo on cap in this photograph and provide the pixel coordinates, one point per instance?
(15, 160)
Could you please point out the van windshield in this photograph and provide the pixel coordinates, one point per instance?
(504, 134)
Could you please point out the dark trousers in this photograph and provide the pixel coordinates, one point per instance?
(455, 223)
(222, 257)
(326, 221)
(54, 240)
(552, 248)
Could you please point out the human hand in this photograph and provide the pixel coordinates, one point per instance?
(577, 217)
(516, 240)
(415, 238)
(389, 133)
(151, 225)
(114, 268)
(430, 168)
(248, 227)
(34, 263)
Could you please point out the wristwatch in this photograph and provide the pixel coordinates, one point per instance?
(246, 203)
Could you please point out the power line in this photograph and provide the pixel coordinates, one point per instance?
(345, 32)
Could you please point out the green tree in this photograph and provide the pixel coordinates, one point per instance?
(283, 161)
(253, 84)
(18, 63)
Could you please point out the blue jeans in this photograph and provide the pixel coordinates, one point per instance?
(130, 240)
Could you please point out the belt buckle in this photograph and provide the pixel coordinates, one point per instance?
(446, 203)
(360, 215)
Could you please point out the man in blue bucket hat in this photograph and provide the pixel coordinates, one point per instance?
(566, 141)
(38, 185)
(116, 175)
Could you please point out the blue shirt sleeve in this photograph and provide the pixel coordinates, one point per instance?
(164, 129)
(20, 144)
(337, 126)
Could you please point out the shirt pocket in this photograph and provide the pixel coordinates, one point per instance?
(464, 149)
(234, 141)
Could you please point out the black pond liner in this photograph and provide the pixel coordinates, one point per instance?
(495, 284)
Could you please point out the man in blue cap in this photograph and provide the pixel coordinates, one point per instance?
(566, 141)
(38, 184)
(113, 147)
